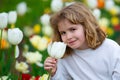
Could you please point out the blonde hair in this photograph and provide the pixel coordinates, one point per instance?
(78, 13)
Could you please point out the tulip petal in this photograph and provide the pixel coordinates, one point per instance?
(49, 48)
(16, 51)
(56, 49)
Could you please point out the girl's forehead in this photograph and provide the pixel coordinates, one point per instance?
(64, 22)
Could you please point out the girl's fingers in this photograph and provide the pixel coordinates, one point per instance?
(50, 64)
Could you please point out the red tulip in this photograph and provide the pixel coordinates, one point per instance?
(117, 27)
(26, 76)
(37, 77)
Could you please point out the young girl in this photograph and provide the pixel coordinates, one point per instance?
(89, 54)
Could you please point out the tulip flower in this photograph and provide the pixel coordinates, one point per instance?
(3, 24)
(109, 4)
(22, 67)
(47, 30)
(12, 17)
(26, 76)
(33, 57)
(44, 77)
(22, 8)
(15, 36)
(56, 49)
(38, 42)
(97, 13)
(45, 19)
(91, 2)
(3, 20)
(56, 5)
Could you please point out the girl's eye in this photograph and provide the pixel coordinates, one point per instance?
(72, 29)
(62, 33)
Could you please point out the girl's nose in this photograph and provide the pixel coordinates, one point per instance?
(68, 36)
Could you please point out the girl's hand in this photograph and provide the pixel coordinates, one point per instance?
(50, 64)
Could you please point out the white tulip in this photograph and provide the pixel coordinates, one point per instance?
(35, 40)
(97, 13)
(103, 22)
(12, 17)
(28, 31)
(15, 36)
(33, 57)
(22, 8)
(45, 19)
(3, 20)
(38, 42)
(109, 4)
(22, 67)
(92, 3)
(47, 30)
(56, 49)
(56, 5)
(42, 44)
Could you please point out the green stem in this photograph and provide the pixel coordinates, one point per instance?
(12, 70)
(1, 41)
(49, 74)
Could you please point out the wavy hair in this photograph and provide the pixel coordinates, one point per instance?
(78, 13)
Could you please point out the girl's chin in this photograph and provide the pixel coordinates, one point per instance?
(73, 47)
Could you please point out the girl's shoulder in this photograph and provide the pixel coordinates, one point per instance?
(109, 43)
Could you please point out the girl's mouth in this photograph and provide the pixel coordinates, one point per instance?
(71, 42)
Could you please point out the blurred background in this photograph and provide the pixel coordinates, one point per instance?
(33, 20)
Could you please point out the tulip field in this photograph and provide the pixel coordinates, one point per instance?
(25, 34)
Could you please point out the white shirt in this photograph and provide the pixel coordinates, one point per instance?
(102, 63)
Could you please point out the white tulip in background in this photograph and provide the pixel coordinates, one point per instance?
(39, 42)
(33, 57)
(12, 17)
(97, 13)
(56, 49)
(21, 8)
(92, 3)
(103, 22)
(42, 44)
(56, 5)
(22, 67)
(3, 20)
(109, 4)
(15, 36)
(28, 31)
(45, 19)
(47, 30)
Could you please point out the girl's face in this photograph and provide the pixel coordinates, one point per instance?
(72, 34)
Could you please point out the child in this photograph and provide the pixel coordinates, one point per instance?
(89, 54)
